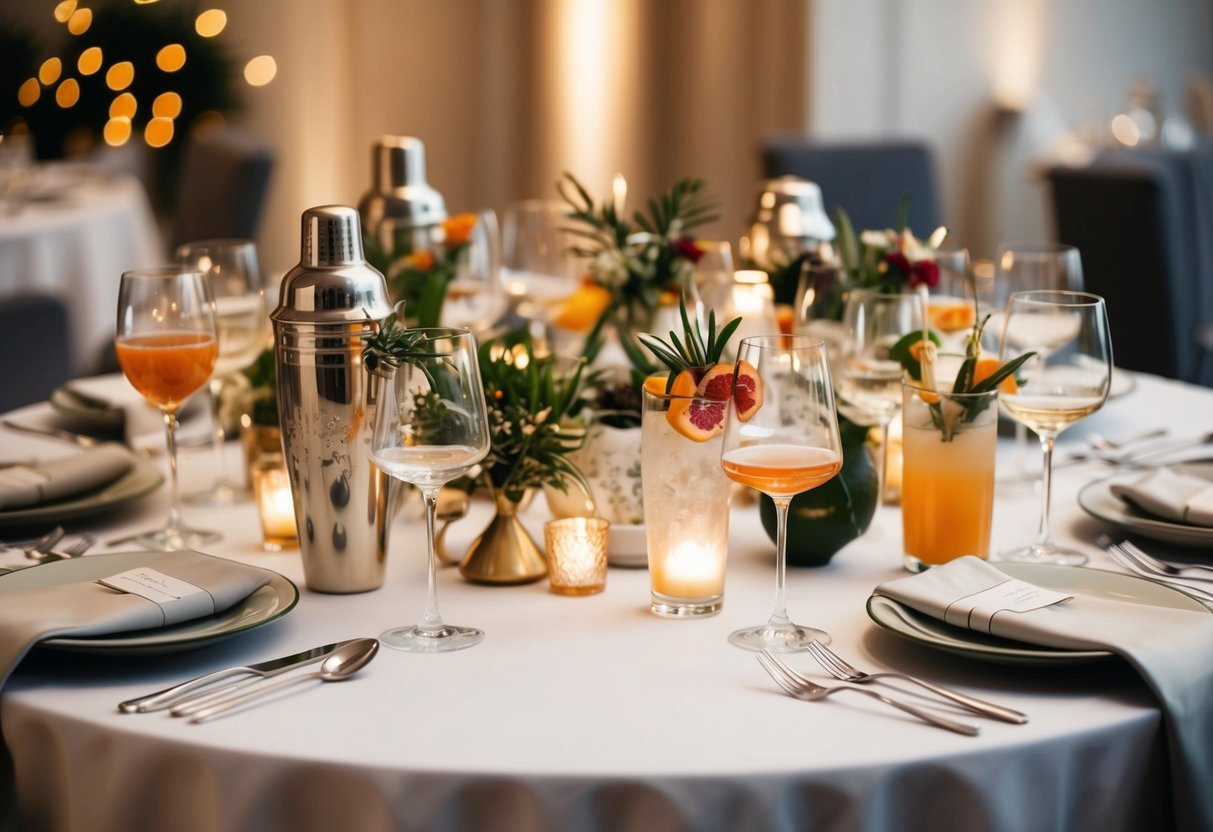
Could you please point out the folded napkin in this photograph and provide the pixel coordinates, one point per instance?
(178, 587)
(22, 485)
(1171, 649)
(1170, 495)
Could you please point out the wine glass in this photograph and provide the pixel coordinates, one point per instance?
(167, 346)
(536, 266)
(475, 299)
(789, 445)
(431, 427)
(241, 322)
(1022, 267)
(1067, 380)
(871, 379)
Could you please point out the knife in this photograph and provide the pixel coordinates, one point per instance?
(164, 698)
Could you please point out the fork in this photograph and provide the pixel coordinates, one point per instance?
(839, 668)
(1130, 562)
(72, 550)
(799, 687)
(38, 549)
(1175, 569)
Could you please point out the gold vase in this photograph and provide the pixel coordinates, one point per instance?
(504, 553)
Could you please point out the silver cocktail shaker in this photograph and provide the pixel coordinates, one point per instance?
(401, 212)
(326, 402)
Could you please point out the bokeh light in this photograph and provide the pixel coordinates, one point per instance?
(68, 93)
(124, 106)
(90, 60)
(117, 131)
(210, 22)
(167, 105)
(29, 92)
(208, 121)
(159, 132)
(171, 58)
(80, 20)
(64, 10)
(50, 71)
(120, 75)
(260, 70)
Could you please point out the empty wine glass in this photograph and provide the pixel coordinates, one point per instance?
(871, 378)
(431, 427)
(788, 445)
(536, 266)
(1067, 380)
(475, 299)
(241, 322)
(167, 346)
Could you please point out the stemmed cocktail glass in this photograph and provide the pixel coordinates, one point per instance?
(786, 446)
(1067, 380)
(431, 427)
(167, 345)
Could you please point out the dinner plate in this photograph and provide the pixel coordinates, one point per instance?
(1097, 499)
(82, 411)
(919, 627)
(267, 604)
(142, 478)
(627, 545)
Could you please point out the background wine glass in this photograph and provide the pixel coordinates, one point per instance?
(476, 298)
(1023, 267)
(431, 427)
(1067, 380)
(788, 446)
(167, 347)
(870, 379)
(536, 266)
(241, 323)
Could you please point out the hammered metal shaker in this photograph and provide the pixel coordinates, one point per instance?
(326, 402)
(401, 213)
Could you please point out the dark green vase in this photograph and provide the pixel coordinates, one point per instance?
(822, 521)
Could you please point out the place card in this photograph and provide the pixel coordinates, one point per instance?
(976, 610)
(165, 591)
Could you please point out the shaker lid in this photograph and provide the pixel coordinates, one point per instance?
(333, 283)
(793, 208)
(399, 190)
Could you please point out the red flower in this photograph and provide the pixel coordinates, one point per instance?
(897, 260)
(686, 247)
(925, 272)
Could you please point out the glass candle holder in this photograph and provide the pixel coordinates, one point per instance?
(577, 554)
(272, 493)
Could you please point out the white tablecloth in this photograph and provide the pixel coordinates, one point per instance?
(591, 713)
(75, 239)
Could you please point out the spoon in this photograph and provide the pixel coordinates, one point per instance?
(1104, 443)
(339, 666)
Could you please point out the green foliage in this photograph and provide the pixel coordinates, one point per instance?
(262, 375)
(694, 351)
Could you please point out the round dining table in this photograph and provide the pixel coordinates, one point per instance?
(77, 229)
(591, 712)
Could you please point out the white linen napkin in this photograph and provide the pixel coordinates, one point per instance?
(178, 587)
(22, 485)
(1170, 495)
(1171, 649)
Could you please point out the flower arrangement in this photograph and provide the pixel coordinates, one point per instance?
(420, 278)
(646, 259)
(887, 260)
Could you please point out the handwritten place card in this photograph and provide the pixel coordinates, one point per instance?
(178, 599)
(976, 611)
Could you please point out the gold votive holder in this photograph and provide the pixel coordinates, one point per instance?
(272, 493)
(577, 554)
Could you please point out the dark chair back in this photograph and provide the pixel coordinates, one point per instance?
(867, 179)
(224, 180)
(35, 348)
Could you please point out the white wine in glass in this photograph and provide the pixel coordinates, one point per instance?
(788, 445)
(1067, 380)
(432, 427)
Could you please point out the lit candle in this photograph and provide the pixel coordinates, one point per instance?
(754, 300)
(577, 554)
(691, 569)
(275, 505)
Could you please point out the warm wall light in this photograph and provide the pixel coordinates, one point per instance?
(50, 71)
(1016, 52)
(80, 20)
(260, 70)
(210, 23)
(120, 75)
(68, 93)
(167, 105)
(63, 11)
(124, 106)
(29, 92)
(90, 60)
(117, 131)
(171, 58)
(159, 132)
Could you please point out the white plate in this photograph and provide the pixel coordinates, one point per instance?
(142, 478)
(1097, 499)
(267, 604)
(628, 546)
(916, 626)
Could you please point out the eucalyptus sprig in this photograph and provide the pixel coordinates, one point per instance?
(391, 343)
(694, 351)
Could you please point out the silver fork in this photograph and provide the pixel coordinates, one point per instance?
(38, 549)
(1175, 569)
(800, 687)
(839, 668)
(72, 550)
(1131, 563)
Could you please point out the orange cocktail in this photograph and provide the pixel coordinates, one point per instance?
(169, 367)
(947, 496)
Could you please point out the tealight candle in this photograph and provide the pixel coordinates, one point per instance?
(690, 569)
(272, 489)
(577, 554)
(754, 300)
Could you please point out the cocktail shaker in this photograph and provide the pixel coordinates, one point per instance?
(401, 212)
(326, 403)
(790, 220)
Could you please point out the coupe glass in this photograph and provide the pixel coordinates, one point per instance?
(536, 267)
(789, 445)
(431, 427)
(1067, 380)
(167, 346)
(870, 379)
(476, 299)
(241, 322)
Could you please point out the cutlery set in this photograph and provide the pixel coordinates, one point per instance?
(1167, 573)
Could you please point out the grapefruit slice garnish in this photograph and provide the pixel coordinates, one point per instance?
(655, 384)
(747, 391)
(717, 383)
(694, 414)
